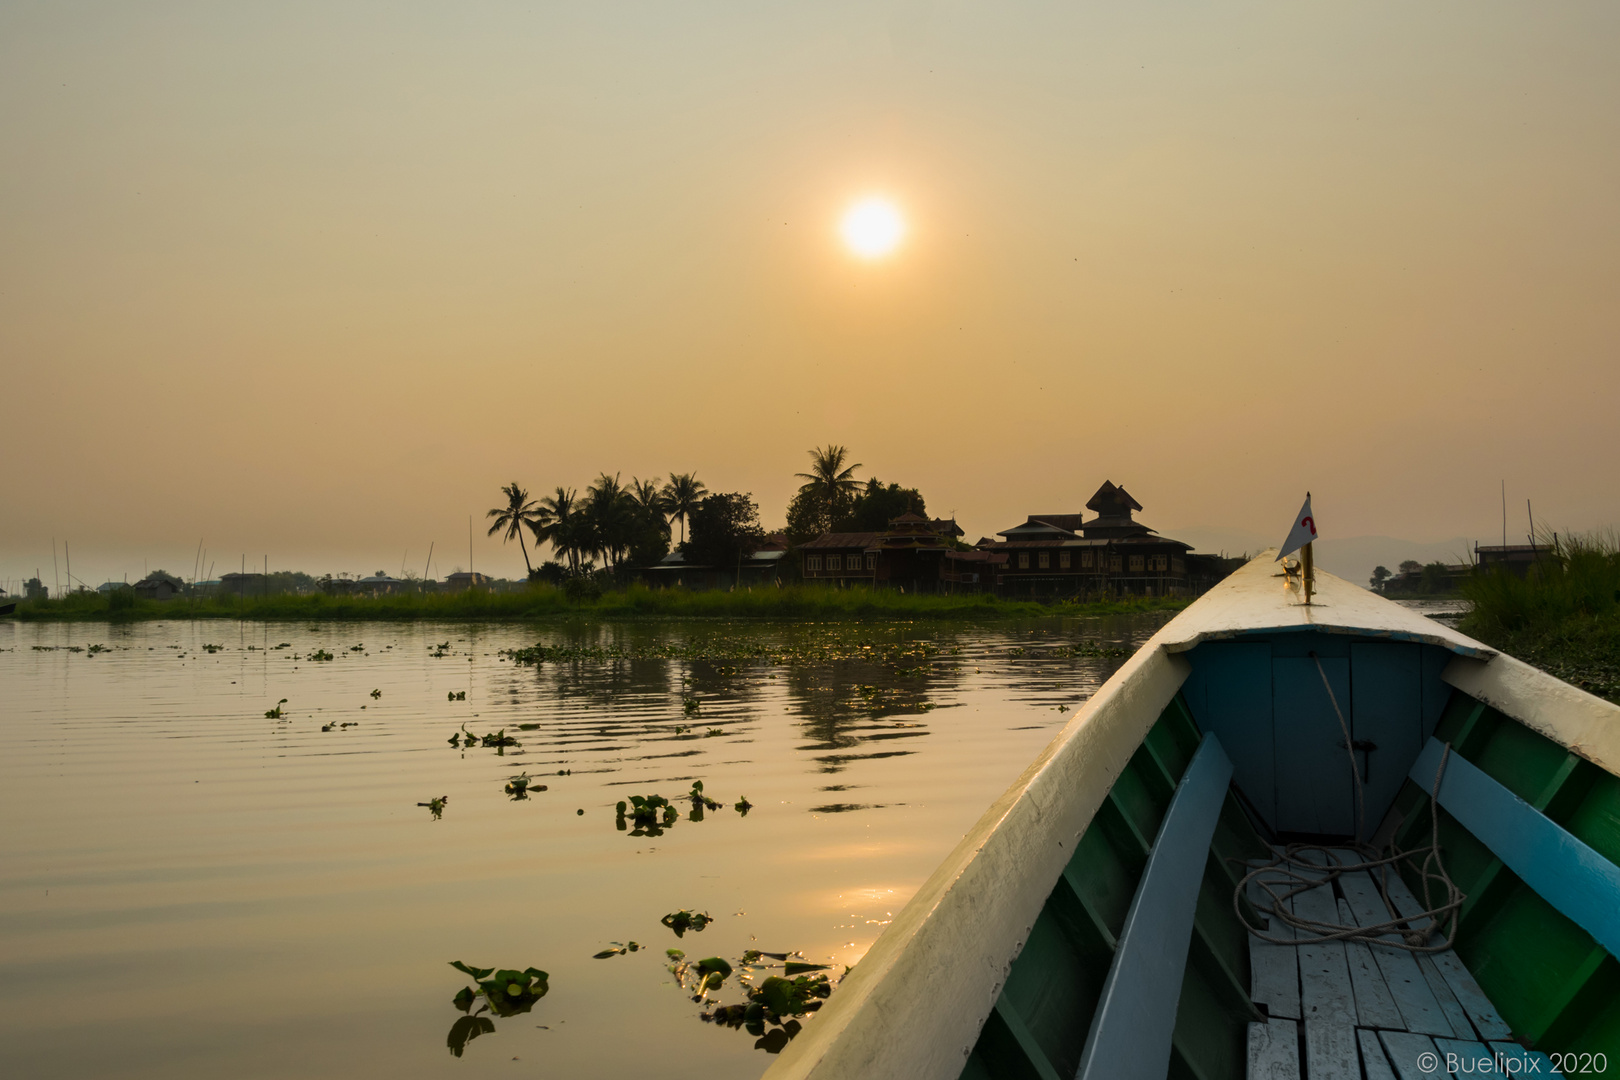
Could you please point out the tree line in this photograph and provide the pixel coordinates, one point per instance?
(619, 525)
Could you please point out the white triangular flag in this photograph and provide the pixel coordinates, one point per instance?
(1303, 532)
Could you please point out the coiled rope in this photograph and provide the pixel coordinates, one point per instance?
(1298, 868)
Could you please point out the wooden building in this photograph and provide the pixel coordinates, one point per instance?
(1517, 559)
(1111, 553)
(157, 587)
(762, 566)
(909, 554)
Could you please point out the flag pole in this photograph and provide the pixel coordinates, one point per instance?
(1307, 572)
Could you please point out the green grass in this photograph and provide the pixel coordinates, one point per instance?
(798, 602)
(1564, 617)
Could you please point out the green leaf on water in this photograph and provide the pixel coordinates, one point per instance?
(796, 968)
(713, 964)
(477, 973)
(683, 920)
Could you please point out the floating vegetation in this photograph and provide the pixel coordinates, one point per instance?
(770, 1007)
(890, 699)
(499, 740)
(506, 992)
(649, 814)
(519, 787)
(456, 695)
(275, 713)
(681, 921)
(356, 648)
(92, 650)
(441, 649)
(689, 706)
(320, 654)
(375, 694)
(682, 729)
(436, 807)
(1088, 650)
(618, 949)
(335, 726)
(712, 732)
(206, 648)
(825, 648)
(743, 806)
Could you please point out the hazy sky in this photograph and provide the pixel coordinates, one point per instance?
(311, 280)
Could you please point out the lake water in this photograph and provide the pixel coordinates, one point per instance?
(190, 888)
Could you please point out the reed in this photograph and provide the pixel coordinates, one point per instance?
(791, 602)
(1564, 617)
(1580, 576)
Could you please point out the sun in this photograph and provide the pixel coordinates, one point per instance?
(872, 228)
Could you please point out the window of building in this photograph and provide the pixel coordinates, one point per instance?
(1046, 560)
(812, 563)
(1023, 560)
(1063, 560)
(1138, 563)
(835, 562)
(1087, 559)
(1159, 562)
(871, 562)
(1115, 564)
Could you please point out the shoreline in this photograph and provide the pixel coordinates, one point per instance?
(544, 603)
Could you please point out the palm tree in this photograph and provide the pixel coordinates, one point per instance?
(608, 507)
(829, 481)
(648, 498)
(681, 496)
(555, 521)
(519, 511)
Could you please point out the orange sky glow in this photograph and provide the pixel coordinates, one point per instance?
(310, 281)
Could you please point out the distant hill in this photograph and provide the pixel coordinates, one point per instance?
(1350, 557)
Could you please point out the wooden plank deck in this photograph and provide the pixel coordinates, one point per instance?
(1368, 1011)
(1273, 969)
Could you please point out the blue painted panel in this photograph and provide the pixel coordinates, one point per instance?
(1568, 874)
(1436, 692)
(1315, 793)
(1386, 689)
(1130, 1032)
(1305, 642)
(1229, 693)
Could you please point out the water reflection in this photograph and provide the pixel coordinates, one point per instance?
(161, 817)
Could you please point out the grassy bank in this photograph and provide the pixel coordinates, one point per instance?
(545, 602)
(1564, 618)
